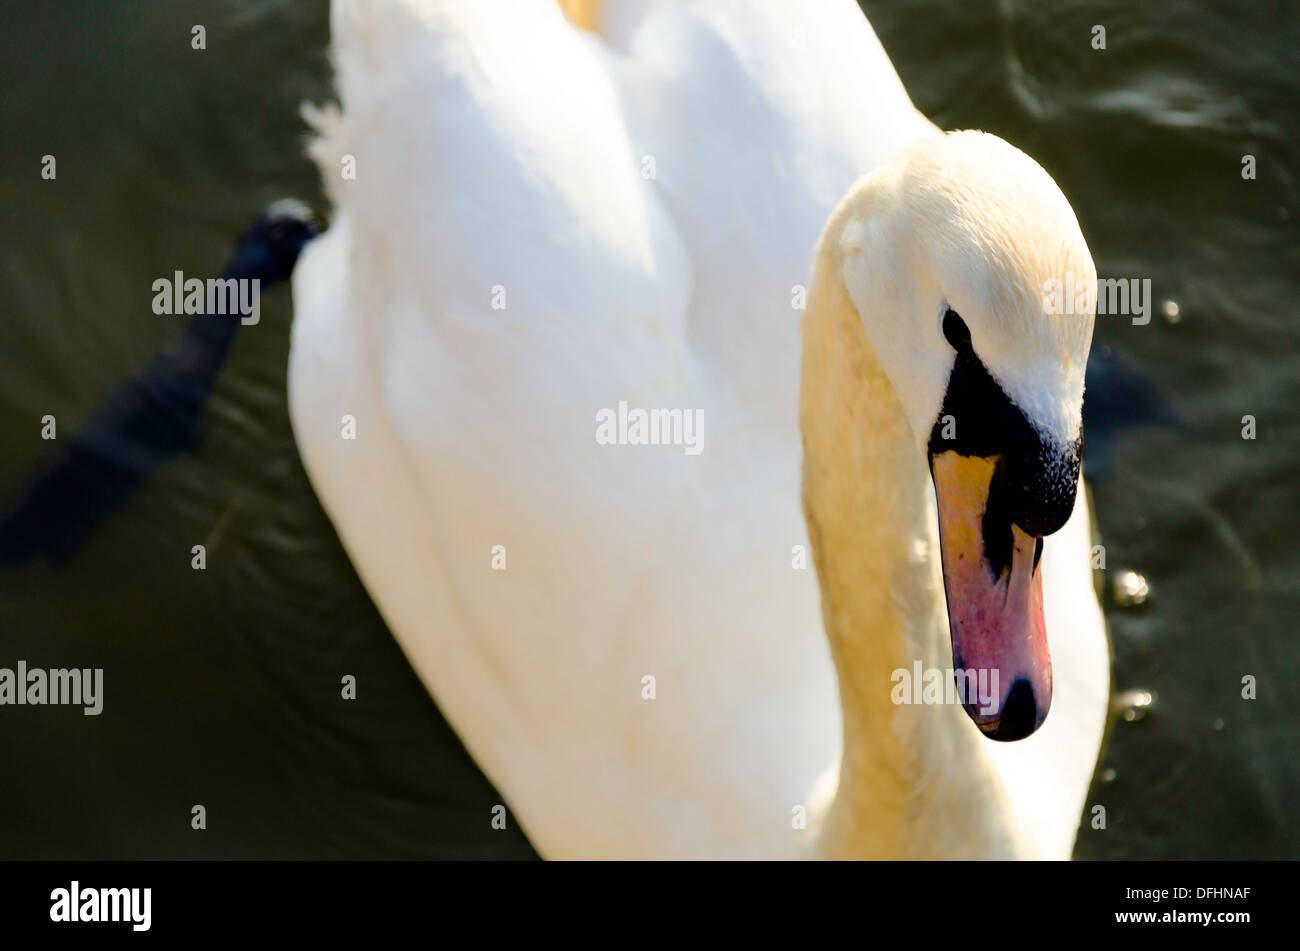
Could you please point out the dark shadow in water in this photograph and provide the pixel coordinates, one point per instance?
(1117, 397)
(149, 419)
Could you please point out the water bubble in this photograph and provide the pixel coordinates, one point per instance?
(1109, 775)
(1129, 589)
(1170, 309)
(1218, 725)
(1134, 704)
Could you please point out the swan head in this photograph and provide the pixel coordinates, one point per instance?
(953, 255)
(269, 249)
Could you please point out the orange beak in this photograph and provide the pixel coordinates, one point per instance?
(995, 602)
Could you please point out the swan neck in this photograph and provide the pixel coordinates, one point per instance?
(869, 510)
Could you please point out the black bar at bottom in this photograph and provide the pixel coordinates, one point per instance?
(979, 902)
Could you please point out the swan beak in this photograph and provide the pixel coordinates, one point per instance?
(995, 602)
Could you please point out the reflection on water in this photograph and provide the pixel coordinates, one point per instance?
(224, 683)
(154, 415)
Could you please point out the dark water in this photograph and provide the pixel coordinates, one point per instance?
(223, 685)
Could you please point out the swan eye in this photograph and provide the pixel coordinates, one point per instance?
(956, 331)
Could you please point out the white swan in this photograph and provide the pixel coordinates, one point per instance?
(547, 220)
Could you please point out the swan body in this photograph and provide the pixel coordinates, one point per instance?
(546, 221)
